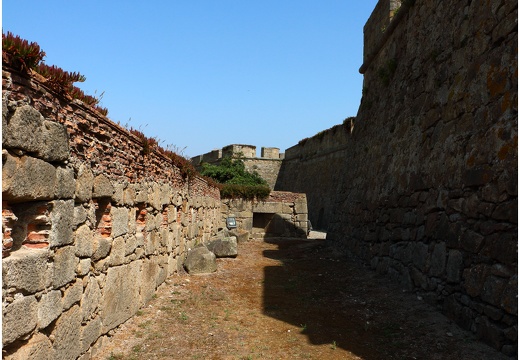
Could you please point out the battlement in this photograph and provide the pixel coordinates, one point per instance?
(379, 27)
(267, 165)
(247, 151)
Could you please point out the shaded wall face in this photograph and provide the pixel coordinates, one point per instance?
(425, 186)
(91, 225)
(283, 214)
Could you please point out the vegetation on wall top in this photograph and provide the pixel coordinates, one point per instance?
(234, 180)
(27, 57)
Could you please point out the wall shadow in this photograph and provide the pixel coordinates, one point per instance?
(336, 301)
(273, 225)
(307, 291)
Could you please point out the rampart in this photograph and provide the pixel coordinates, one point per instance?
(422, 184)
(267, 165)
(92, 223)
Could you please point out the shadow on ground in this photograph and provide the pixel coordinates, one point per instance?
(310, 290)
(339, 302)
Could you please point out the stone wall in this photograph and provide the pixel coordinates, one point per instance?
(282, 214)
(423, 184)
(91, 224)
(267, 165)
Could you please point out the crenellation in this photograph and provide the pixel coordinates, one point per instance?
(267, 165)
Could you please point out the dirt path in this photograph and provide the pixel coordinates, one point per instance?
(289, 299)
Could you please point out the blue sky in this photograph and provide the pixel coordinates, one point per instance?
(203, 74)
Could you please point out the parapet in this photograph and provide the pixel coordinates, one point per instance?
(379, 27)
(270, 153)
(247, 151)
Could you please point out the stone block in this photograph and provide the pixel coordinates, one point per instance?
(421, 258)
(65, 184)
(84, 241)
(509, 300)
(39, 347)
(120, 298)
(119, 221)
(225, 247)
(474, 278)
(67, 335)
(268, 207)
(103, 188)
(130, 244)
(19, 319)
(72, 294)
(438, 260)
(477, 177)
(151, 223)
(507, 211)
(149, 273)
(141, 193)
(300, 206)
(492, 290)
(101, 247)
(472, 241)
(80, 216)
(117, 251)
(90, 333)
(64, 266)
(454, 266)
(241, 235)
(90, 299)
(49, 308)
(139, 237)
(419, 279)
(26, 270)
(158, 196)
(84, 184)
(200, 261)
(502, 247)
(83, 266)
(27, 179)
(129, 195)
(488, 330)
(151, 243)
(62, 219)
(118, 195)
(286, 208)
(29, 131)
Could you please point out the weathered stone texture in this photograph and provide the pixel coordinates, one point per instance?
(90, 225)
(19, 318)
(225, 247)
(49, 308)
(200, 261)
(29, 131)
(66, 334)
(429, 160)
(39, 347)
(27, 179)
(26, 270)
(120, 298)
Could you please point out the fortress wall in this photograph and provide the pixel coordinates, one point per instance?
(91, 224)
(267, 166)
(424, 189)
